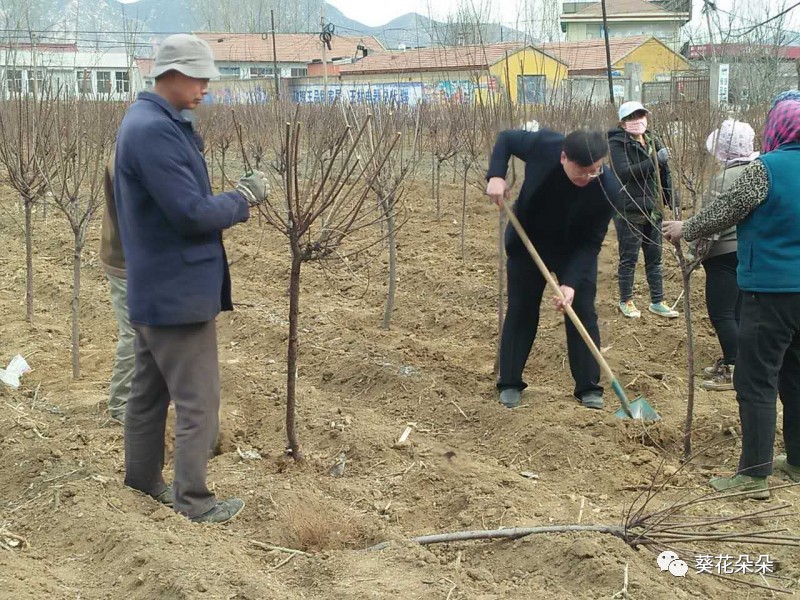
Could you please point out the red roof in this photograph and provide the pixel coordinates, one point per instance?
(743, 51)
(291, 47)
(44, 47)
(590, 55)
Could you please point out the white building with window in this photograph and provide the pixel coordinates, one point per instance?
(582, 20)
(69, 72)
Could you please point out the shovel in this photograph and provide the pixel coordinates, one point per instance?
(639, 408)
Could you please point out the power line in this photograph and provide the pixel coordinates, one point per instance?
(773, 18)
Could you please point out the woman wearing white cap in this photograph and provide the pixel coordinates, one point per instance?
(640, 162)
(732, 145)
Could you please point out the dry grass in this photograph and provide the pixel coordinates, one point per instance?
(312, 525)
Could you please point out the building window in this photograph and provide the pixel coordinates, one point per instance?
(531, 89)
(299, 72)
(84, 81)
(35, 81)
(122, 82)
(261, 72)
(230, 72)
(14, 81)
(104, 82)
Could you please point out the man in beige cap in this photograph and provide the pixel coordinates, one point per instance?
(178, 279)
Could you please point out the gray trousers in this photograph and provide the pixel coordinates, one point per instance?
(120, 387)
(176, 363)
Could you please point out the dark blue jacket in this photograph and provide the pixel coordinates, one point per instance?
(587, 222)
(769, 238)
(169, 221)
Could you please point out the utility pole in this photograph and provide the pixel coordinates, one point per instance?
(608, 54)
(32, 75)
(275, 57)
(324, 53)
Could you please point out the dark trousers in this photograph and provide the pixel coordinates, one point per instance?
(525, 289)
(633, 237)
(180, 364)
(724, 302)
(768, 363)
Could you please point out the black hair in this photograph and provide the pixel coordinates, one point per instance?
(586, 146)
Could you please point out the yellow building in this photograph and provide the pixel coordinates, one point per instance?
(458, 73)
(588, 58)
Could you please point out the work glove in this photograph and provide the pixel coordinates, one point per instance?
(254, 187)
(663, 155)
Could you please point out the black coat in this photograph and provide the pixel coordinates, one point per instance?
(587, 223)
(636, 169)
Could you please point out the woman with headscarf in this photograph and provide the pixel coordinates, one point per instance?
(763, 204)
(732, 146)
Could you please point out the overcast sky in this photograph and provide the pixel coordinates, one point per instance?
(375, 13)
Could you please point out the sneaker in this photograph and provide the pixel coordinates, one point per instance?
(742, 483)
(224, 511)
(713, 371)
(592, 400)
(167, 497)
(723, 381)
(510, 397)
(782, 465)
(662, 310)
(629, 309)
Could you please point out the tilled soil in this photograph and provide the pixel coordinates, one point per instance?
(71, 529)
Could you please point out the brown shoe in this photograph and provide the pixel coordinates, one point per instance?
(722, 381)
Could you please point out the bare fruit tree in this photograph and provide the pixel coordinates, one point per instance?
(444, 141)
(387, 184)
(25, 144)
(324, 201)
(84, 134)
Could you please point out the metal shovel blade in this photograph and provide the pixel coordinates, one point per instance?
(639, 409)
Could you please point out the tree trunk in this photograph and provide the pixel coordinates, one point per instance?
(438, 193)
(291, 359)
(223, 184)
(76, 306)
(433, 177)
(464, 213)
(29, 259)
(211, 167)
(687, 315)
(388, 208)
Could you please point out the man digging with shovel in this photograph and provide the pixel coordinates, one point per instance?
(564, 206)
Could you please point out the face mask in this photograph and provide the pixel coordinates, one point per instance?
(636, 126)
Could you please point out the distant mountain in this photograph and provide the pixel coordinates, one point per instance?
(413, 30)
(105, 19)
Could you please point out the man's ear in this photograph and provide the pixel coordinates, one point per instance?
(563, 157)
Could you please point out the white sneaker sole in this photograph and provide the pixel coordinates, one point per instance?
(670, 315)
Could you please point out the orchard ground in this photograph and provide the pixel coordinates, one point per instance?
(86, 536)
